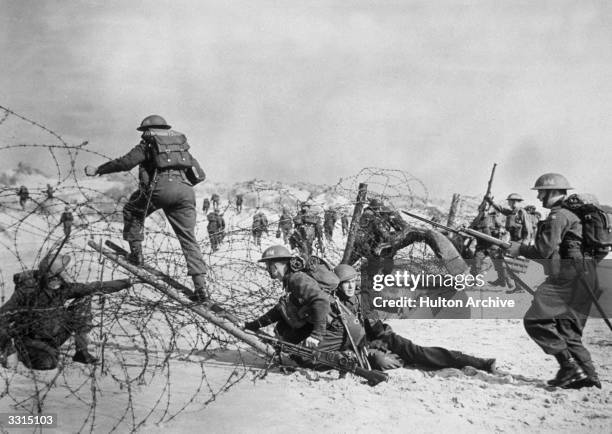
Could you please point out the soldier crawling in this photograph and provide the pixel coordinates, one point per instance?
(35, 322)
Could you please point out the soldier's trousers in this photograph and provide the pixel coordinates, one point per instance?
(67, 228)
(176, 198)
(556, 319)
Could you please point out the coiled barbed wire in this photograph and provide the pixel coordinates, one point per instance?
(146, 342)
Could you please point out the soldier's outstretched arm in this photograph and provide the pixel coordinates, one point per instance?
(122, 164)
(74, 290)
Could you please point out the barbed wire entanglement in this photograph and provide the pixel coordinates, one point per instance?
(147, 344)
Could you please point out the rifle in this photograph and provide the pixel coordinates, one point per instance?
(334, 360)
(464, 231)
(484, 205)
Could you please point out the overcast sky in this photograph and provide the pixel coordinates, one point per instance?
(316, 90)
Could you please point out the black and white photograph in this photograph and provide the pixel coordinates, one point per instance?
(331, 216)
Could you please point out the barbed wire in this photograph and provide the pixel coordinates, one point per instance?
(145, 342)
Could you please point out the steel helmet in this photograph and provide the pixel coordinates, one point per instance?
(153, 121)
(275, 252)
(552, 181)
(345, 272)
(514, 196)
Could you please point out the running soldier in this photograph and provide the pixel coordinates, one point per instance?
(285, 225)
(216, 229)
(205, 205)
(330, 217)
(215, 201)
(24, 195)
(307, 229)
(519, 228)
(66, 220)
(166, 183)
(50, 192)
(260, 226)
(560, 307)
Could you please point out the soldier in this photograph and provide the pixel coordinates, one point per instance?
(388, 350)
(168, 188)
(50, 192)
(66, 220)
(37, 321)
(285, 225)
(534, 217)
(301, 313)
(307, 228)
(239, 203)
(380, 228)
(344, 221)
(215, 201)
(489, 224)
(205, 205)
(260, 225)
(560, 307)
(330, 217)
(519, 228)
(216, 229)
(24, 195)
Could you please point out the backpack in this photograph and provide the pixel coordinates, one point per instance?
(170, 150)
(319, 269)
(596, 223)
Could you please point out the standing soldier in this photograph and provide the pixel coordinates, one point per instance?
(489, 224)
(344, 220)
(239, 203)
(50, 191)
(216, 229)
(560, 307)
(519, 228)
(307, 228)
(330, 217)
(66, 220)
(166, 179)
(215, 201)
(285, 225)
(205, 205)
(534, 217)
(260, 225)
(24, 195)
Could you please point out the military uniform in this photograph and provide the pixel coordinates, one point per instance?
(168, 190)
(36, 318)
(285, 225)
(301, 312)
(379, 227)
(67, 220)
(238, 203)
(329, 221)
(50, 191)
(24, 195)
(307, 229)
(205, 206)
(215, 201)
(558, 313)
(216, 229)
(344, 221)
(260, 225)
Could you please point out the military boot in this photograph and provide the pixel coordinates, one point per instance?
(84, 357)
(135, 256)
(487, 365)
(569, 371)
(199, 285)
(591, 380)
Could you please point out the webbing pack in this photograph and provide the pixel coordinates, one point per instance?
(170, 150)
(596, 222)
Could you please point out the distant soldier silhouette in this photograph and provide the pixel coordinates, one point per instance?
(307, 229)
(24, 195)
(330, 218)
(215, 201)
(66, 220)
(205, 205)
(216, 229)
(50, 192)
(285, 226)
(239, 203)
(344, 220)
(260, 225)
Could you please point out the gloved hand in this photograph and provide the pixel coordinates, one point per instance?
(311, 342)
(384, 361)
(91, 170)
(514, 249)
(252, 326)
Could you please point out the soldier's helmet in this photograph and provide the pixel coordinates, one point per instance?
(153, 121)
(514, 196)
(345, 272)
(552, 181)
(276, 252)
(57, 267)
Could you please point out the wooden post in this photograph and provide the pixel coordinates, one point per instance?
(175, 294)
(350, 240)
(454, 210)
